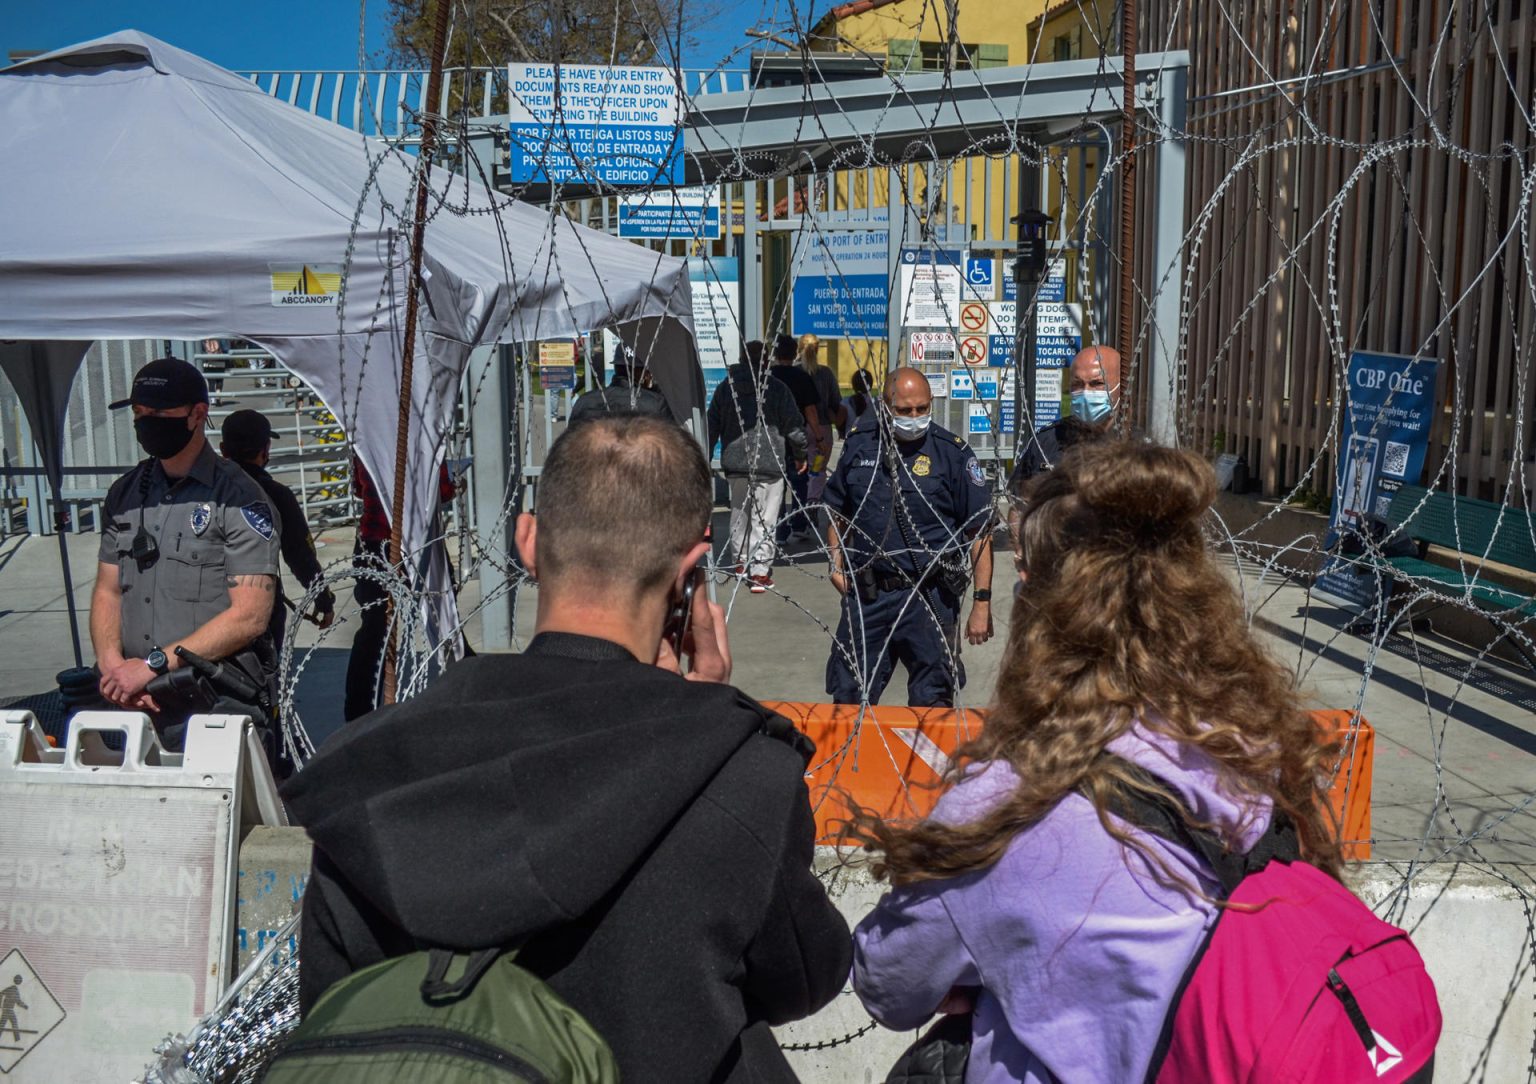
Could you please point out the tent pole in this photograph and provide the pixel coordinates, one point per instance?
(408, 356)
(69, 580)
(1126, 301)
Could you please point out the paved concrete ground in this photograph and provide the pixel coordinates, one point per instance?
(1455, 749)
(1456, 737)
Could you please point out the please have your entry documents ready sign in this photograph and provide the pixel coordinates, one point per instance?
(592, 124)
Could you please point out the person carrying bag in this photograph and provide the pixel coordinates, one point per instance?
(1135, 874)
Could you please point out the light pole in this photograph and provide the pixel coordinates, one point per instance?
(1029, 265)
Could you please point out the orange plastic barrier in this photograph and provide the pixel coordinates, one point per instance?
(893, 762)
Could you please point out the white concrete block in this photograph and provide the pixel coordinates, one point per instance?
(1473, 927)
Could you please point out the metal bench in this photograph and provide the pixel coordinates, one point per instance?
(1480, 532)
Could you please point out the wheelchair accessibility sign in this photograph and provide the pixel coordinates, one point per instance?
(979, 278)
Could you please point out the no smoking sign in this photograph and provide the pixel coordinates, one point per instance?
(973, 316)
(974, 350)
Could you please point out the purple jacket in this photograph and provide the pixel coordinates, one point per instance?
(1077, 956)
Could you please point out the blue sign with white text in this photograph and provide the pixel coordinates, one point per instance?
(978, 273)
(666, 220)
(1391, 406)
(616, 154)
(613, 124)
(841, 306)
(1053, 288)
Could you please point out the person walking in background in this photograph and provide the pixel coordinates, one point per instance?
(794, 520)
(246, 439)
(214, 364)
(632, 391)
(754, 420)
(830, 402)
(858, 407)
(833, 417)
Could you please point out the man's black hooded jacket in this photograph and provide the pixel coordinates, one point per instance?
(647, 839)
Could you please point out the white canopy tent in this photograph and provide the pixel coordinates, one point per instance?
(151, 194)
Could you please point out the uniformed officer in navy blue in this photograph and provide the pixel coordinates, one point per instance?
(910, 533)
(188, 555)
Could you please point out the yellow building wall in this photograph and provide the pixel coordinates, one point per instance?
(1026, 31)
(999, 22)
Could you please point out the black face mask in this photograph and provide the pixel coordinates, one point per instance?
(162, 438)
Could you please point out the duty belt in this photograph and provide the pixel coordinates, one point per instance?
(894, 581)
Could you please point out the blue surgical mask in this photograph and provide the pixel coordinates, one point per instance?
(1091, 405)
(910, 428)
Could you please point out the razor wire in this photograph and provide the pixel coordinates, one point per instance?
(919, 194)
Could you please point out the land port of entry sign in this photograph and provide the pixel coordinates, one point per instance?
(619, 126)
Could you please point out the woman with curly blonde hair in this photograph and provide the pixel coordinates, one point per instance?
(1067, 931)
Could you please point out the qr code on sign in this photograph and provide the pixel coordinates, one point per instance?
(1395, 461)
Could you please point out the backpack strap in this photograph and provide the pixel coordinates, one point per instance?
(437, 987)
(1169, 818)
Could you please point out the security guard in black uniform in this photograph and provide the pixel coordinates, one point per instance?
(247, 440)
(911, 520)
(188, 560)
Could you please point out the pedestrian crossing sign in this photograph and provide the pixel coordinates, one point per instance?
(28, 1010)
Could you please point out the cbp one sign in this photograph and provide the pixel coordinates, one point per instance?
(616, 126)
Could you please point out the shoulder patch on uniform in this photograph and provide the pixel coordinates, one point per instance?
(259, 516)
(973, 467)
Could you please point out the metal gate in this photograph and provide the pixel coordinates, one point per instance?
(310, 454)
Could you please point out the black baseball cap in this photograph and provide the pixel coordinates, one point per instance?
(165, 383)
(247, 429)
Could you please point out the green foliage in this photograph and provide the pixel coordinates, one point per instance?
(491, 33)
(1312, 500)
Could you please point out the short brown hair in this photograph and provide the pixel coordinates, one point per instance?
(620, 500)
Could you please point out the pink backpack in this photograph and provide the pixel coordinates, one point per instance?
(1297, 981)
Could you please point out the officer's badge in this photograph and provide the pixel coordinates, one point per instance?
(921, 466)
(974, 468)
(202, 515)
(259, 516)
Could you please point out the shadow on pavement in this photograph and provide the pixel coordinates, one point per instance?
(1489, 676)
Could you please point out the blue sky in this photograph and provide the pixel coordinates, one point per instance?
(249, 35)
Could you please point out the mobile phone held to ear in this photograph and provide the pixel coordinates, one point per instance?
(679, 618)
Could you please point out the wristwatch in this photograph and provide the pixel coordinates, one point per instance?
(983, 594)
(157, 661)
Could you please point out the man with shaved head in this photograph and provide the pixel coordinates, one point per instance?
(911, 523)
(641, 838)
(1095, 390)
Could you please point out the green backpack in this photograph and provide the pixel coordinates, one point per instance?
(403, 1021)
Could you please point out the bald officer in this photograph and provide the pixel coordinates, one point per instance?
(188, 553)
(1095, 387)
(911, 529)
